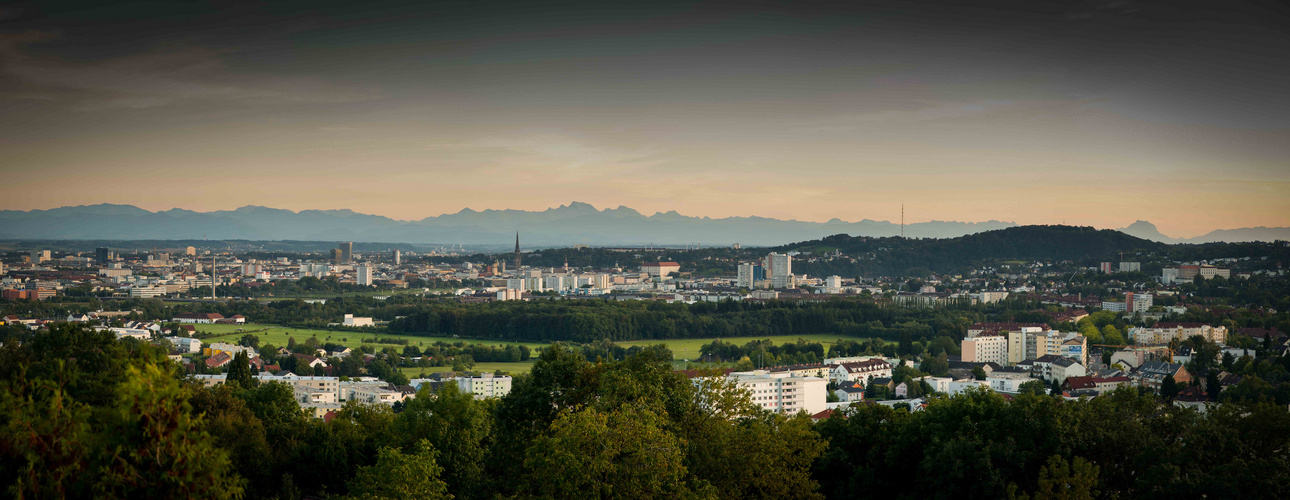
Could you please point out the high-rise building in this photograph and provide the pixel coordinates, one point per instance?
(779, 268)
(102, 255)
(38, 256)
(991, 348)
(337, 256)
(749, 274)
(347, 252)
(398, 257)
(190, 251)
(744, 276)
(364, 273)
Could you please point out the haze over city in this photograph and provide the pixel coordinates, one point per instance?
(1097, 113)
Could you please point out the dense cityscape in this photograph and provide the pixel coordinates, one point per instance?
(341, 337)
(968, 249)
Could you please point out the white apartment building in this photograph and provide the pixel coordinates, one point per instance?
(990, 297)
(319, 383)
(746, 276)
(782, 393)
(486, 385)
(134, 333)
(314, 270)
(1163, 333)
(185, 344)
(557, 282)
(309, 396)
(363, 274)
(1056, 368)
(350, 320)
(986, 349)
(860, 371)
(147, 292)
(364, 392)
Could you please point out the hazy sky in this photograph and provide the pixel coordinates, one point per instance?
(1098, 114)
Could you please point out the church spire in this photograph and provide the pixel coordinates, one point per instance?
(517, 250)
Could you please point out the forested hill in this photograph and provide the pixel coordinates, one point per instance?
(1024, 243)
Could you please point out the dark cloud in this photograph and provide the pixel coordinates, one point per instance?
(1154, 87)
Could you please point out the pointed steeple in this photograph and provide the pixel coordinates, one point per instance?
(517, 250)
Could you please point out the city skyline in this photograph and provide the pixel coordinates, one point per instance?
(1095, 114)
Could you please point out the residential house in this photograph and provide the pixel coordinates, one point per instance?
(850, 393)
(1152, 374)
(218, 360)
(1056, 368)
(198, 318)
(860, 371)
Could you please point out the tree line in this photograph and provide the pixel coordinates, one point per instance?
(86, 415)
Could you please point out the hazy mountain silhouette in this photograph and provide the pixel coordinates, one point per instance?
(560, 226)
(1146, 230)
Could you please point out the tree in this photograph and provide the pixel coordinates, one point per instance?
(1111, 335)
(155, 447)
(1212, 384)
(49, 431)
(397, 475)
(1034, 387)
(617, 454)
(239, 371)
(1090, 332)
(938, 366)
(1062, 480)
(457, 426)
(1169, 387)
(978, 372)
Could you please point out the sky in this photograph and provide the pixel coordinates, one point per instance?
(1090, 113)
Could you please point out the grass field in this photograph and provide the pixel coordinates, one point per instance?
(277, 335)
(511, 368)
(689, 348)
(682, 349)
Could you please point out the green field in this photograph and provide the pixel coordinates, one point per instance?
(682, 349)
(511, 368)
(689, 348)
(277, 335)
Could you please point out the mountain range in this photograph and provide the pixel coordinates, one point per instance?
(564, 225)
(1148, 231)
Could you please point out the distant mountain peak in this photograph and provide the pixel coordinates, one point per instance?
(1147, 231)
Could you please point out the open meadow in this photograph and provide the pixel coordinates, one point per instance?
(277, 335)
(685, 351)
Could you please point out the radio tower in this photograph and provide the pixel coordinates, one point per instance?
(902, 221)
